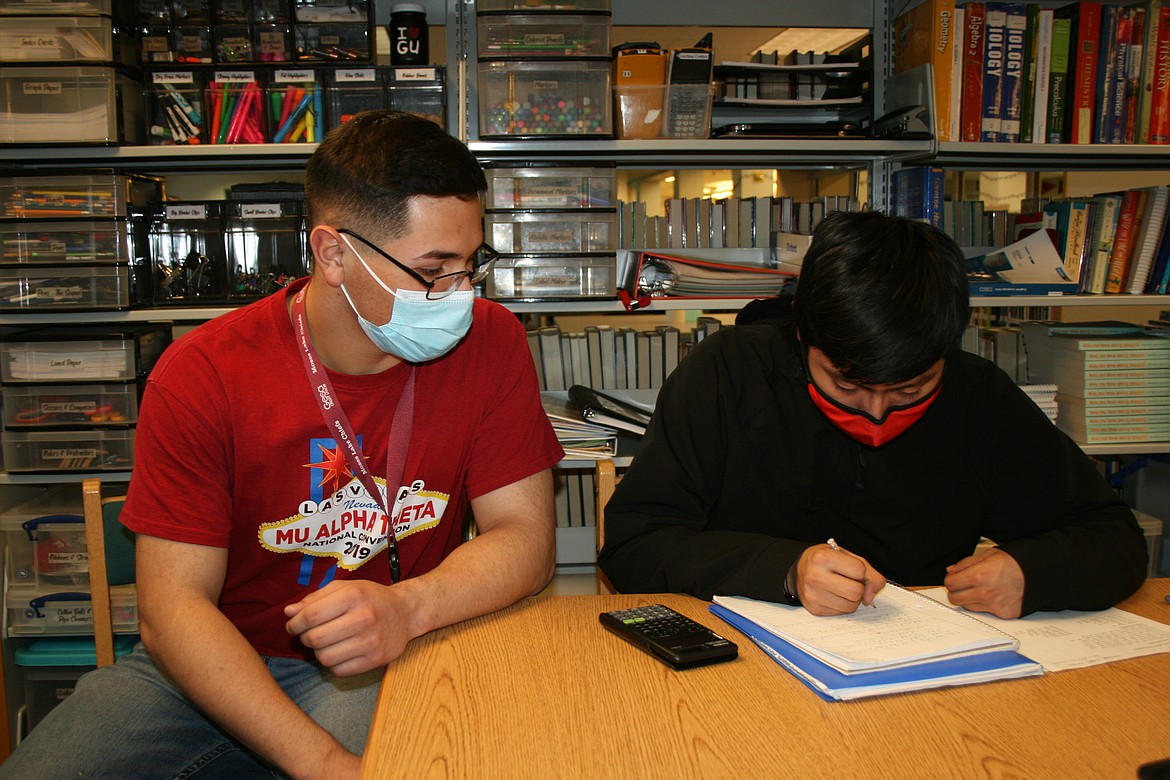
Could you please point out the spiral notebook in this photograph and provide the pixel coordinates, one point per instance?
(907, 643)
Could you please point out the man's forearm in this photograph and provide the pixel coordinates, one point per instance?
(222, 674)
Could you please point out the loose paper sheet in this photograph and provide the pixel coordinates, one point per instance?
(1071, 639)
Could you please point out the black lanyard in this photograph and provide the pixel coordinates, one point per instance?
(338, 425)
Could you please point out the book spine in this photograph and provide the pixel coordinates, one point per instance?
(1012, 82)
(1043, 67)
(1029, 79)
(1106, 73)
(1121, 361)
(935, 188)
(958, 26)
(1118, 257)
(995, 50)
(973, 43)
(1075, 239)
(942, 43)
(1058, 83)
(1160, 81)
(1099, 272)
(1133, 77)
(1123, 56)
(1152, 10)
(1084, 88)
(1123, 240)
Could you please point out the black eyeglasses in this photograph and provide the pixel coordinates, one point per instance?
(482, 262)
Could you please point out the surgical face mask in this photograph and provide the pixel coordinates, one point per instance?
(419, 329)
(861, 427)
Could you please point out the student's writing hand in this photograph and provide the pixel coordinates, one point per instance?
(990, 581)
(834, 581)
(352, 626)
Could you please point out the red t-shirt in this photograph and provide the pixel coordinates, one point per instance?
(232, 451)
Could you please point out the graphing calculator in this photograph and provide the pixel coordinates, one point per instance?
(672, 638)
(689, 89)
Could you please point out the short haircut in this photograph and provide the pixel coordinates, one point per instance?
(365, 172)
(883, 297)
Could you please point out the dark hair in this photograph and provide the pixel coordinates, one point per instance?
(883, 297)
(365, 172)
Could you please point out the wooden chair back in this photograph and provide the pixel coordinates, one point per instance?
(606, 481)
(111, 560)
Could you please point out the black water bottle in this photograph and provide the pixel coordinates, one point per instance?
(408, 34)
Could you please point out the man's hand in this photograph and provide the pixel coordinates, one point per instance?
(990, 581)
(834, 582)
(352, 626)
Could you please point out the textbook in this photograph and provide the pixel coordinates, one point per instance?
(908, 642)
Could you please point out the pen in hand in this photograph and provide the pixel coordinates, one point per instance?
(833, 544)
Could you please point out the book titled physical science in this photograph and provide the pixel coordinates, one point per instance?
(908, 642)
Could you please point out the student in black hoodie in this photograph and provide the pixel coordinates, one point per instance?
(842, 438)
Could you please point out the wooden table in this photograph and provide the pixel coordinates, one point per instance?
(541, 690)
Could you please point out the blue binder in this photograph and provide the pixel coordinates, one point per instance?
(832, 685)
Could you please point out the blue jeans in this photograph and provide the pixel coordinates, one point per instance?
(130, 721)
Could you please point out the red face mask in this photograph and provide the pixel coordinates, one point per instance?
(860, 426)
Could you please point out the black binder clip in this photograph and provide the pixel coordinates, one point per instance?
(906, 124)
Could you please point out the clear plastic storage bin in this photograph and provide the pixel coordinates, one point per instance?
(332, 42)
(65, 39)
(353, 90)
(69, 451)
(70, 406)
(266, 250)
(49, 241)
(296, 106)
(188, 254)
(102, 353)
(175, 107)
(55, 518)
(591, 276)
(521, 35)
(64, 287)
(545, 99)
(419, 91)
(90, 104)
(545, 187)
(100, 194)
(47, 611)
(562, 232)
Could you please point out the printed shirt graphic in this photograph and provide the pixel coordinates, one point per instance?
(347, 524)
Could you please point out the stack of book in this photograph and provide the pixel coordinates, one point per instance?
(1112, 389)
(1043, 396)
